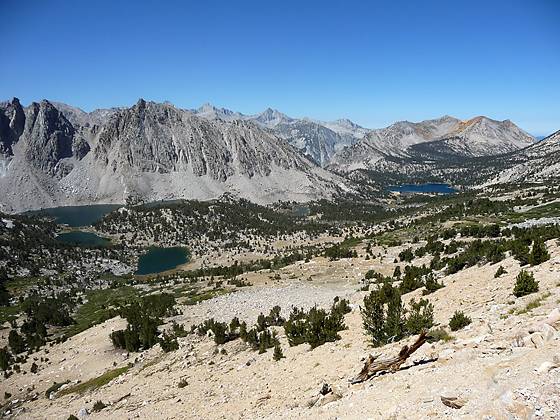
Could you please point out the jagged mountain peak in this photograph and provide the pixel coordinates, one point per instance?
(347, 123)
(271, 117)
(212, 112)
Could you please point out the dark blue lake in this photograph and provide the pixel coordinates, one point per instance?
(423, 188)
(77, 215)
(158, 259)
(82, 238)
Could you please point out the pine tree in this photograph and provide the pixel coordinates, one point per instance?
(373, 317)
(277, 355)
(394, 323)
(5, 358)
(16, 342)
(431, 284)
(539, 253)
(525, 284)
(421, 316)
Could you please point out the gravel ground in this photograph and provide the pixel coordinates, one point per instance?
(248, 303)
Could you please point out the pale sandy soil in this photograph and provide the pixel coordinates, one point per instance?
(229, 256)
(498, 380)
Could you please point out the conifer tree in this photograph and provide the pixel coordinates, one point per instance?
(277, 355)
(539, 253)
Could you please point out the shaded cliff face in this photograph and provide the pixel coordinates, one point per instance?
(12, 122)
(43, 136)
(47, 137)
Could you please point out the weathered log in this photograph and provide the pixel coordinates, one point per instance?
(374, 367)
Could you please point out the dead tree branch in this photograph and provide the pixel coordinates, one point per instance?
(374, 367)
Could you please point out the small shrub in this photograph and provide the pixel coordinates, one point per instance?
(459, 320)
(525, 284)
(98, 406)
(439, 334)
(168, 342)
(501, 271)
(431, 284)
(182, 383)
(221, 331)
(179, 330)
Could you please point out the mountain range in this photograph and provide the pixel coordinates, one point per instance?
(432, 140)
(54, 154)
(150, 152)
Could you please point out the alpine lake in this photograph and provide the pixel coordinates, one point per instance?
(79, 218)
(423, 189)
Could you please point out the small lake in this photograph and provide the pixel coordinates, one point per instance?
(301, 211)
(423, 188)
(81, 238)
(159, 259)
(75, 216)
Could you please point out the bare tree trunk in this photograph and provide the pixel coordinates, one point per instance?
(374, 367)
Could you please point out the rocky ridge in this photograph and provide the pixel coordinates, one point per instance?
(149, 152)
(432, 140)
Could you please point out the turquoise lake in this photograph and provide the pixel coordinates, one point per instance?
(159, 259)
(76, 216)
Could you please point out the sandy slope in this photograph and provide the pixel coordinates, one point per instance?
(498, 380)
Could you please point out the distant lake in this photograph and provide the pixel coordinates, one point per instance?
(75, 216)
(82, 238)
(159, 259)
(423, 188)
(301, 211)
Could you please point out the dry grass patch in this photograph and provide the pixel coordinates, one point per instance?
(533, 304)
(95, 383)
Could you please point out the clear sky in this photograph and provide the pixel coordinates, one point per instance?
(374, 62)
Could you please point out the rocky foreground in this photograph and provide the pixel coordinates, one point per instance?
(505, 364)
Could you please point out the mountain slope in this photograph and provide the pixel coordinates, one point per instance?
(539, 162)
(150, 152)
(313, 139)
(439, 139)
(316, 139)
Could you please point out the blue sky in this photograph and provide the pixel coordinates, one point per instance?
(374, 62)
